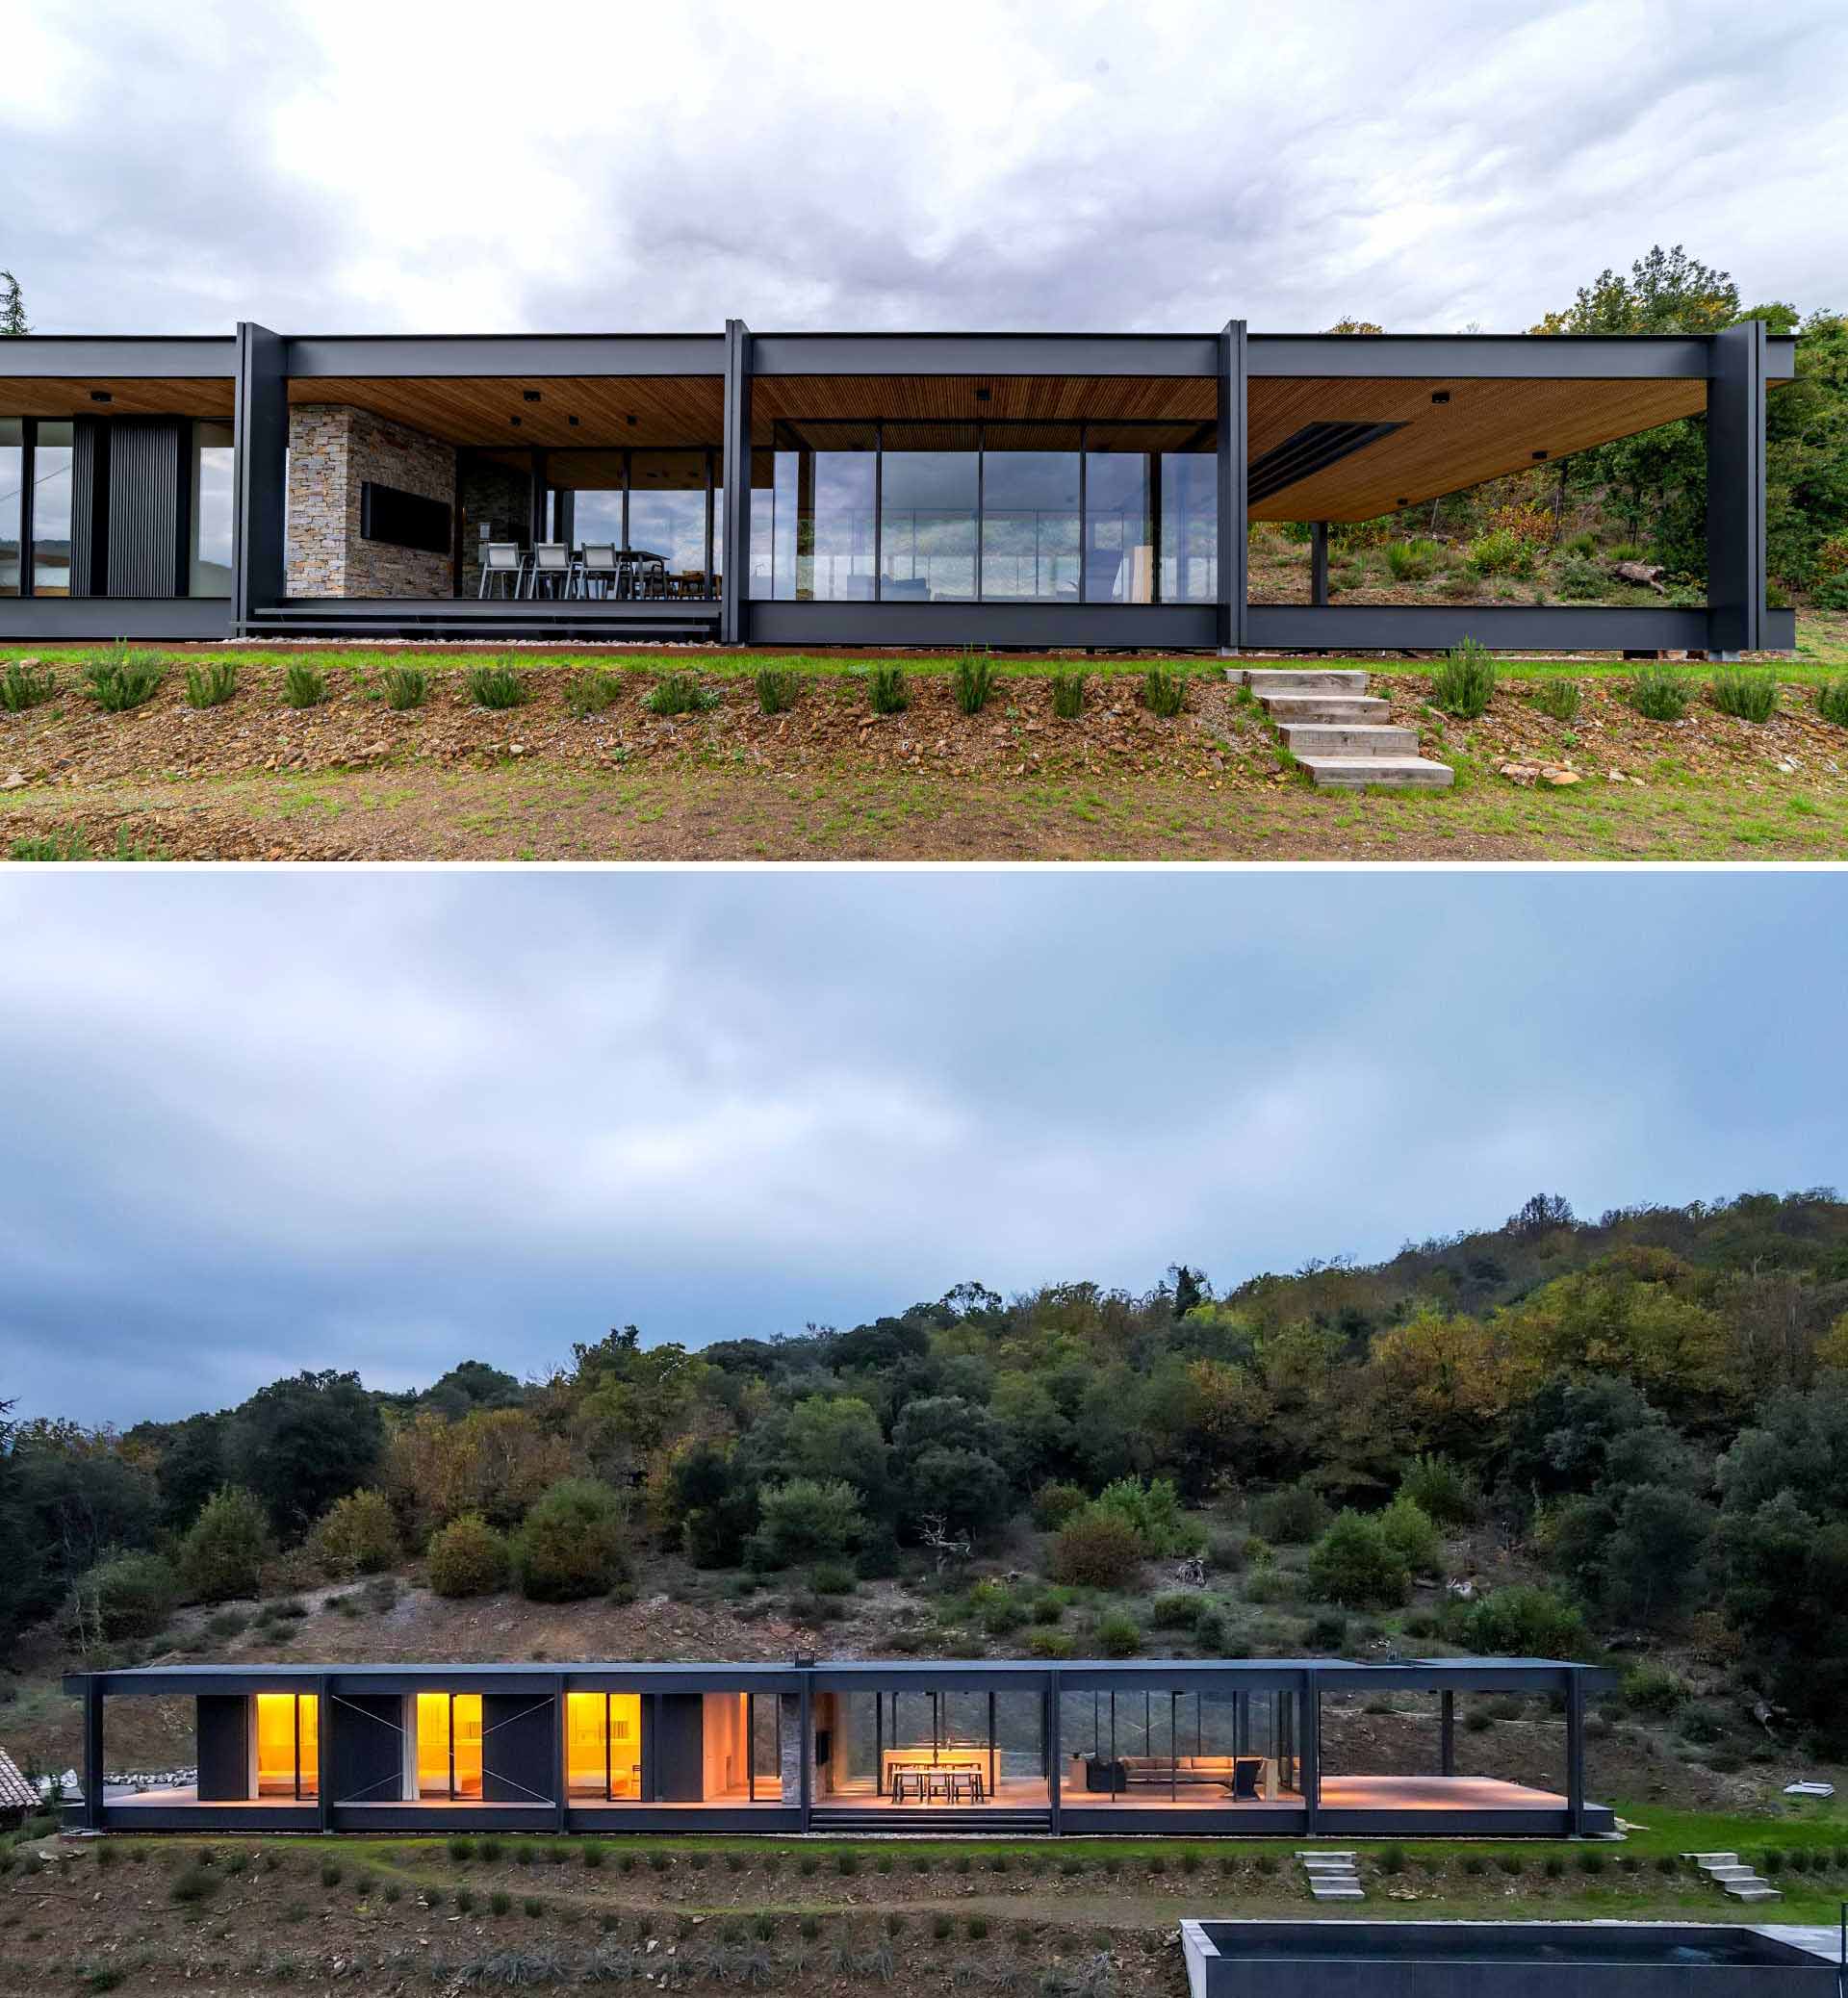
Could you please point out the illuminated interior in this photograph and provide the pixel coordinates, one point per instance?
(449, 1744)
(287, 1757)
(604, 1744)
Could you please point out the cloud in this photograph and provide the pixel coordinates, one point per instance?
(258, 1123)
(366, 168)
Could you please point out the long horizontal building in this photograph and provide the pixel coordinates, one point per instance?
(815, 489)
(1077, 1748)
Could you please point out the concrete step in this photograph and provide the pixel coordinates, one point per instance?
(1346, 1855)
(1729, 1873)
(1325, 707)
(1384, 773)
(1738, 1891)
(1305, 680)
(1324, 1890)
(1345, 739)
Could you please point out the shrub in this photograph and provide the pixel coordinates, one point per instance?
(1831, 593)
(1702, 1723)
(228, 1623)
(1412, 561)
(830, 1578)
(127, 1595)
(1042, 1643)
(223, 1553)
(1177, 1609)
(1099, 1548)
(303, 686)
(330, 1873)
(805, 1519)
(468, 1557)
(1163, 691)
(195, 1883)
(679, 693)
(500, 1902)
(1272, 1585)
(1832, 701)
(1500, 553)
(885, 688)
(573, 1544)
(1391, 1859)
(1441, 1489)
(406, 687)
(777, 689)
(1652, 1688)
(1750, 693)
(210, 686)
(1659, 693)
(1153, 1510)
(123, 680)
(1582, 545)
(1055, 1502)
(356, 1535)
(1119, 1634)
(499, 686)
(1559, 698)
(1291, 1515)
(461, 1849)
(1067, 696)
(1410, 1534)
(1464, 681)
(973, 679)
(1581, 582)
(1327, 1632)
(1523, 1622)
(21, 687)
(1355, 1564)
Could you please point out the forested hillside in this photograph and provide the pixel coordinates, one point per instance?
(1646, 1414)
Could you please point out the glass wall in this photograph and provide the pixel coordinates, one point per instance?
(13, 493)
(1033, 513)
(932, 1746)
(51, 456)
(667, 508)
(288, 1744)
(603, 1745)
(448, 1745)
(1159, 1749)
(209, 574)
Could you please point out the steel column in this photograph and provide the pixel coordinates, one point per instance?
(1055, 1749)
(733, 594)
(1318, 561)
(92, 1816)
(1309, 1751)
(806, 1722)
(260, 488)
(1576, 1752)
(1232, 486)
(324, 1750)
(559, 1816)
(1736, 392)
(1447, 1733)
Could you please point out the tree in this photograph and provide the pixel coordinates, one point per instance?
(1540, 1215)
(223, 1553)
(1098, 1549)
(1190, 1288)
(126, 1595)
(468, 1557)
(356, 1535)
(13, 322)
(806, 1518)
(573, 1544)
(967, 1489)
(1355, 1564)
(495, 1461)
(300, 1443)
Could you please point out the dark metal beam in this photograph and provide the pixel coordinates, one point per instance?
(1736, 490)
(510, 355)
(1162, 626)
(1142, 354)
(1502, 627)
(1234, 479)
(260, 469)
(1447, 1733)
(78, 356)
(1576, 1753)
(1482, 356)
(734, 610)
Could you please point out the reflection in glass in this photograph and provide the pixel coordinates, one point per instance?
(13, 479)
(51, 510)
(210, 572)
(1189, 528)
(1119, 529)
(928, 513)
(1132, 1748)
(1029, 515)
(667, 508)
(821, 531)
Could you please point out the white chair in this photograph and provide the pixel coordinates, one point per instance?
(553, 567)
(503, 570)
(602, 572)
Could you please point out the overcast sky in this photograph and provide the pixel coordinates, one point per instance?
(366, 165)
(256, 1122)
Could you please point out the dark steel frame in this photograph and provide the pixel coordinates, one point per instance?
(1307, 1679)
(1737, 364)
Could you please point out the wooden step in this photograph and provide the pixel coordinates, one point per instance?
(1305, 680)
(1325, 707)
(1346, 738)
(1378, 773)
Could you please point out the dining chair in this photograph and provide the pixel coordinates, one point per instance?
(503, 570)
(554, 566)
(599, 568)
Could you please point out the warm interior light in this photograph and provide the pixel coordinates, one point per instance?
(287, 1757)
(449, 1744)
(603, 1735)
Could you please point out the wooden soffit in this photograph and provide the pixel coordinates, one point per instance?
(209, 396)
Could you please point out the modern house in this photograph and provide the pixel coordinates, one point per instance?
(1216, 1747)
(812, 488)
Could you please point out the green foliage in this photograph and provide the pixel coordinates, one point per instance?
(356, 1535)
(973, 679)
(300, 1443)
(499, 687)
(303, 686)
(210, 685)
(1523, 1622)
(1055, 1502)
(194, 1884)
(806, 1518)
(1659, 693)
(1291, 1515)
(1441, 1489)
(1097, 1549)
(679, 693)
(1464, 681)
(1748, 693)
(129, 1595)
(1654, 1689)
(1178, 1609)
(1581, 582)
(777, 689)
(1558, 697)
(573, 1544)
(406, 687)
(1163, 691)
(1045, 1643)
(1067, 696)
(1412, 561)
(1356, 1565)
(24, 685)
(1501, 553)
(1408, 1530)
(223, 1553)
(886, 690)
(1119, 1634)
(1153, 1512)
(124, 679)
(1832, 701)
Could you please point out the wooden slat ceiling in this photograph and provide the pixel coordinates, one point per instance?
(200, 396)
(1486, 429)
(476, 409)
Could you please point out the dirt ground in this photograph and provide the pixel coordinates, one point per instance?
(352, 778)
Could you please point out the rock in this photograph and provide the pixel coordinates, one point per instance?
(1519, 773)
(1648, 574)
(1788, 768)
(1561, 777)
(13, 781)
